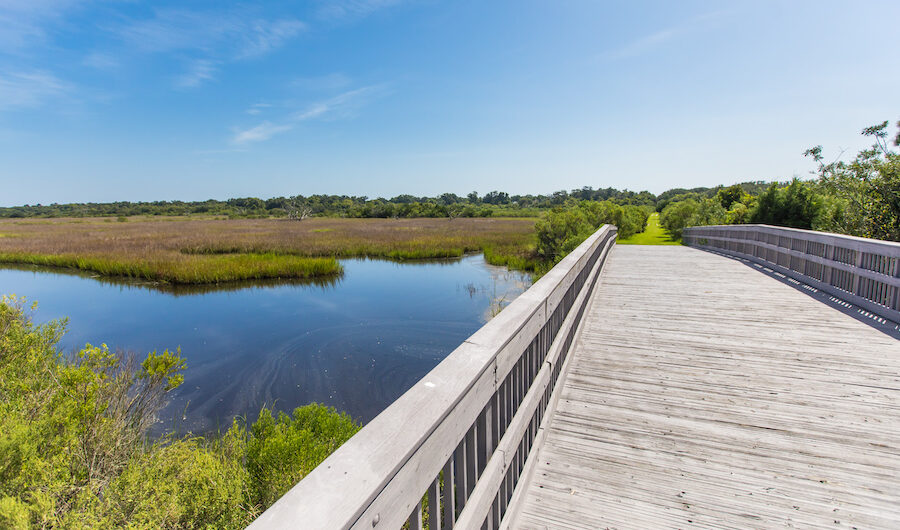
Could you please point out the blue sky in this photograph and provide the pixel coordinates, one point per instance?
(126, 100)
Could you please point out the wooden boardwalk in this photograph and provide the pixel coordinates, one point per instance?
(704, 393)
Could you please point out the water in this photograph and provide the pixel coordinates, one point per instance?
(355, 343)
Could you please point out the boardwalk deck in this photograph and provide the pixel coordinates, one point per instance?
(703, 393)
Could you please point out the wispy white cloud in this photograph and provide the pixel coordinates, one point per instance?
(343, 106)
(212, 38)
(233, 35)
(25, 22)
(654, 40)
(644, 43)
(259, 133)
(19, 90)
(100, 61)
(339, 9)
(265, 36)
(257, 108)
(200, 71)
(328, 82)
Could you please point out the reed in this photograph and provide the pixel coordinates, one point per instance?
(188, 269)
(198, 251)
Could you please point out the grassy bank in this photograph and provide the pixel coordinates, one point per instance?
(201, 251)
(652, 235)
(187, 269)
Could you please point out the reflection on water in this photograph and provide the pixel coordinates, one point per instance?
(356, 342)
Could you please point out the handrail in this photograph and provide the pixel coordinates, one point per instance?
(451, 449)
(864, 272)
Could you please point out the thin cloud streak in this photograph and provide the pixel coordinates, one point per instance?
(214, 38)
(172, 30)
(654, 40)
(20, 90)
(100, 61)
(201, 71)
(264, 37)
(342, 106)
(341, 9)
(257, 108)
(24, 22)
(329, 82)
(260, 133)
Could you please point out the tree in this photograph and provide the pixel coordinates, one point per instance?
(676, 216)
(795, 206)
(730, 195)
(865, 193)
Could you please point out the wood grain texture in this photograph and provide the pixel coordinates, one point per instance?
(705, 394)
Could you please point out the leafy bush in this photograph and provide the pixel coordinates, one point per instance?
(560, 231)
(709, 212)
(74, 451)
(282, 451)
(181, 484)
(795, 206)
(566, 227)
(677, 216)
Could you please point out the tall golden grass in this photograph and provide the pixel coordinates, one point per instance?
(191, 250)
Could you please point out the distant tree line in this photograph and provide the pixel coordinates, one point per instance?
(495, 203)
(860, 197)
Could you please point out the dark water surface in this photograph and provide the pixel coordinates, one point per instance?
(356, 343)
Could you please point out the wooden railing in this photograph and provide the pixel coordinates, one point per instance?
(864, 272)
(449, 452)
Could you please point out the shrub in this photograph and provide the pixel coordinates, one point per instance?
(74, 452)
(795, 206)
(282, 451)
(676, 216)
(181, 485)
(560, 232)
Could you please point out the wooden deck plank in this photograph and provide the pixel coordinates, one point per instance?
(703, 393)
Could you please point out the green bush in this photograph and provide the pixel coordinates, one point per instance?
(795, 206)
(560, 231)
(563, 228)
(282, 451)
(709, 212)
(181, 484)
(74, 451)
(677, 216)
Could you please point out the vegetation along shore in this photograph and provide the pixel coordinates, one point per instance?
(186, 250)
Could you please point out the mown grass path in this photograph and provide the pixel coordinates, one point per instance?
(653, 235)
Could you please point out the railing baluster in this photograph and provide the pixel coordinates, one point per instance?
(460, 476)
(483, 440)
(470, 462)
(434, 505)
(861, 271)
(415, 518)
(449, 503)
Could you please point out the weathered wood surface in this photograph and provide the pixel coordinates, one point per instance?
(703, 393)
(863, 272)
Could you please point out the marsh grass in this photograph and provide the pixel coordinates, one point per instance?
(198, 251)
(188, 269)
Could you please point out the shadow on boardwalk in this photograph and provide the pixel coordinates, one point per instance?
(881, 324)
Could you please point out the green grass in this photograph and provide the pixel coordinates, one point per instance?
(190, 269)
(653, 235)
